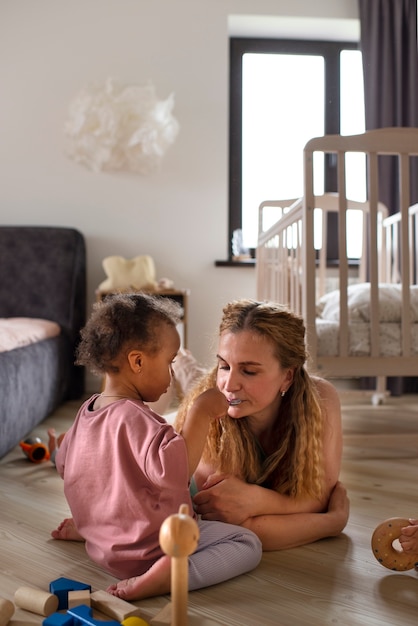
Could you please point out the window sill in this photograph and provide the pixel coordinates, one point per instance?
(331, 263)
(243, 263)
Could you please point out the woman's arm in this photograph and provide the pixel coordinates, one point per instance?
(279, 520)
(303, 523)
(280, 532)
(229, 499)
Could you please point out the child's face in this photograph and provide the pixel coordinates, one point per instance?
(156, 373)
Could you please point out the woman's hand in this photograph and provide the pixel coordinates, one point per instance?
(224, 498)
(409, 537)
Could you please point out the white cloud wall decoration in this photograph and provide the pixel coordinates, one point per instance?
(120, 127)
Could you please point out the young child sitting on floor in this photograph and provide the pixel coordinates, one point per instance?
(126, 470)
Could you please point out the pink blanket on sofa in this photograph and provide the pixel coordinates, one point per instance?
(16, 332)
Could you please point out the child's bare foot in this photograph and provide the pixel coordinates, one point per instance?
(127, 589)
(155, 582)
(67, 531)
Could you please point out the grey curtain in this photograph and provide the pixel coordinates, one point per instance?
(388, 41)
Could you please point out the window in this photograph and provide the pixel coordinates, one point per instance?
(283, 93)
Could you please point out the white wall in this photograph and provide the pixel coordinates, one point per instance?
(49, 50)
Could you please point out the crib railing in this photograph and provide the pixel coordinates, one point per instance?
(279, 254)
(280, 248)
(290, 270)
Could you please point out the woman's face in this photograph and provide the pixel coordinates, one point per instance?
(250, 376)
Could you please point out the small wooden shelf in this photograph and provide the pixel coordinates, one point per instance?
(179, 295)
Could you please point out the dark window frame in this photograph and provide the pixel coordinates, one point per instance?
(238, 46)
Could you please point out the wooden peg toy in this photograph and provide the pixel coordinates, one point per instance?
(7, 608)
(36, 600)
(179, 536)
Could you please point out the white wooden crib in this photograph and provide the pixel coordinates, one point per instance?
(360, 321)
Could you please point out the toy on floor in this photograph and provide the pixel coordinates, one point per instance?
(35, 450)
(62, 587)
(7, 609)
(36, 600)
(179, 536)
(384, 550)
(77, 600)
(114, 607)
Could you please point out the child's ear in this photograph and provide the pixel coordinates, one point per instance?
(135, 361)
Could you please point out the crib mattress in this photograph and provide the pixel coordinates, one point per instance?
(359, 338)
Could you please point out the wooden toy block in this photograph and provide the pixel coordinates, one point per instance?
(112, 606)
(61, 586)
(80, 596)
(7, 608)
(83, 616)
(36, 600)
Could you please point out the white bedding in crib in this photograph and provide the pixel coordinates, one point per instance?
(359, 338)
(358, 299)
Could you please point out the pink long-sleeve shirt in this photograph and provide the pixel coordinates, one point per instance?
(125, 470)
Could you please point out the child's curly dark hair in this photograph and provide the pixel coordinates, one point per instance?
(121, 322)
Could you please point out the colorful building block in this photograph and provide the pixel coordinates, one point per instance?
(112, 606)
(59, 619)
(61, 586)
(83, 616)
(80, 596)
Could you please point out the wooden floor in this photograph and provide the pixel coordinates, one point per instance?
(334, 581)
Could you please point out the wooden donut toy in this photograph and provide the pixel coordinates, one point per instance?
(384, 550)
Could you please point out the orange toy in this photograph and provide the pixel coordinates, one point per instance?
(35, 450)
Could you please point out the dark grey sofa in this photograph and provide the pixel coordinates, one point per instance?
(43, 275)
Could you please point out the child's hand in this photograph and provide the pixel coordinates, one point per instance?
(212, 402)
(409, 537)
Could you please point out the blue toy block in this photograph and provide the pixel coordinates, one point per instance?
(59, 619)
(61, 586)
(82, 616)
